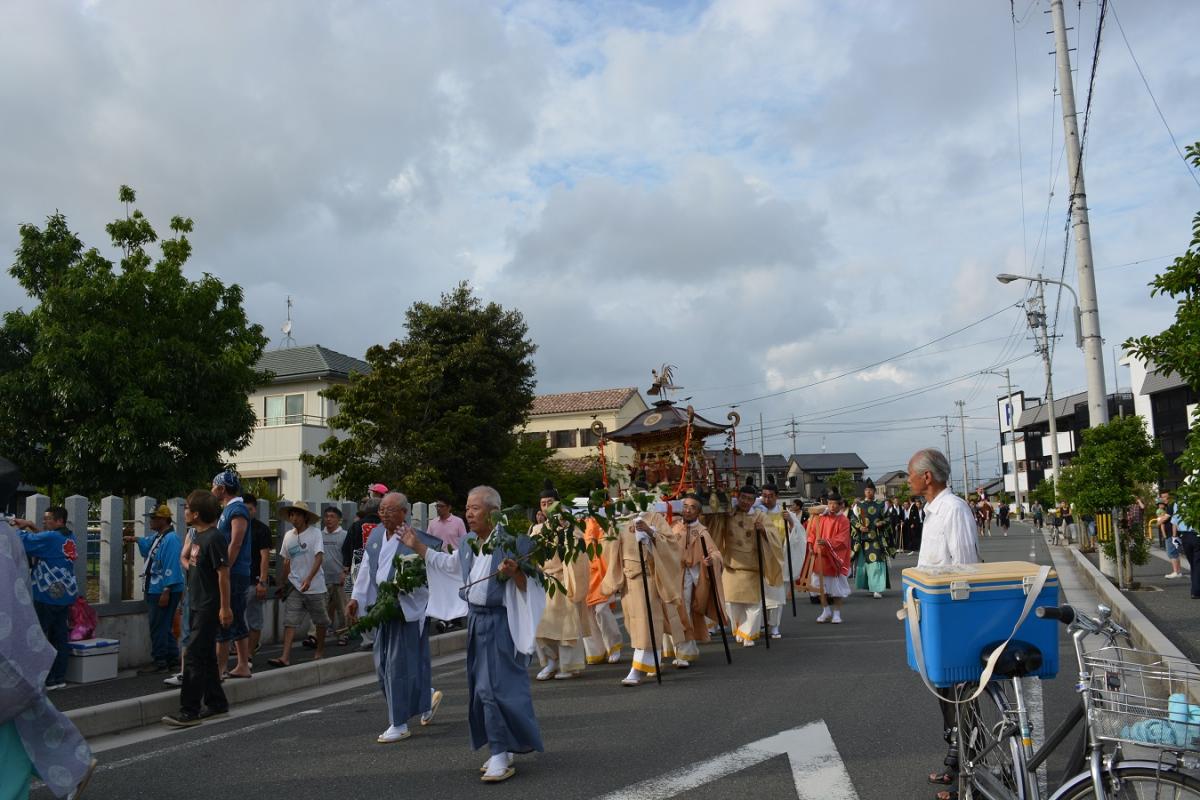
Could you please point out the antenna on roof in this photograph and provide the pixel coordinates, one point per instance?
(288, 341)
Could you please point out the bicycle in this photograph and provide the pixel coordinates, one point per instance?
(1126, 696)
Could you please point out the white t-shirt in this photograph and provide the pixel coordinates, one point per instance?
(949, 534)
(302, 550)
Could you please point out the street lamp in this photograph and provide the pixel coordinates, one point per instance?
(1007, 277)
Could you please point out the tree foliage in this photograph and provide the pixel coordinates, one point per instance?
(1177, 348)
(130, 380)
(437, 411)
(843, 481)
(1045, 494)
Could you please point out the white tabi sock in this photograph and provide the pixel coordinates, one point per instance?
(498, 763)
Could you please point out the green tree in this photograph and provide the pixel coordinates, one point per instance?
(130, 380)
(1115, 459)
(1044, 493)
(843, 481)
(1178, 348)
(437, 411)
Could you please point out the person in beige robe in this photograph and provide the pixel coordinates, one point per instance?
(702, 600)
(564, 623)
(739, 541)
(668, 544)
(623, 574)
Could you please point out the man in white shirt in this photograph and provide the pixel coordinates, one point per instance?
(303, 552)
(947, 540)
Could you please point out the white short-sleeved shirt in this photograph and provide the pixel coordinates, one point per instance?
(949, 534)
(301, 550)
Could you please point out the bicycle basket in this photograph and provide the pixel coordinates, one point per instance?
(1144, 698)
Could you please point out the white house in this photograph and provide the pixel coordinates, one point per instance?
(293, 418)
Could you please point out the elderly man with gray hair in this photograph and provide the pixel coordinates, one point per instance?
(504, 610)
(948, 539)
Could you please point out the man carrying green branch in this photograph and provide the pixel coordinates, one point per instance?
(396, 599)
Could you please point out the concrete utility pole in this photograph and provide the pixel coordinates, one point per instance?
(978, 474)
(962, 428)
(946, 431)
(1037, 321)
(1089, 306)
(762, 455)
(792, 435)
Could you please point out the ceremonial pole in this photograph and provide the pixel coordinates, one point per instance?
(762, 585)
(787, 543)
(716, 598)
(649, 615)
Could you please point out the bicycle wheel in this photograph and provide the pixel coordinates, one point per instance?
(1139, 783)
(989, 741)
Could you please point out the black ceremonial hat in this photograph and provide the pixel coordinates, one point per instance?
(548, 490)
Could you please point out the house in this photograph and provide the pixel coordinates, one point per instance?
(293, 419)
(808, 472)
(889, 482)
(750, 468)
(564, 421)
(1168, 405)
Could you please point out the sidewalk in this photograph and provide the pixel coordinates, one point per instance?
(133, 701)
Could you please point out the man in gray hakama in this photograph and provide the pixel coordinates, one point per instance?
(501, 622)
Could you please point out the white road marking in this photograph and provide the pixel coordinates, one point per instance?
(817, 770)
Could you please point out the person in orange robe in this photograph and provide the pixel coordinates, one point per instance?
(603, 642)
(831, 539)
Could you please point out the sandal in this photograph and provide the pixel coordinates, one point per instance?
(942, 778)
(310, 642)
(947, 794)
(277, 662)
(343, 641)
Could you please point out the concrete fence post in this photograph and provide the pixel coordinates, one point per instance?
(420, 515)
(262, 511)
(35, 507)
(77, 521)
(143, 507)
(176, 505)
(111, 547)
(349, 510)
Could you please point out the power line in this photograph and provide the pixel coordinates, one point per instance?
(1020, 150)
(862, 368)
(1153, 99)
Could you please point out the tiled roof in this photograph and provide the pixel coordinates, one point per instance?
(1063, 406)
(893, 475)
(823, 461)
(313, 361)
(1156, 382)
(578, 402)
(723, 460)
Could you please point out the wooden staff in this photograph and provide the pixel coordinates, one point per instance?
(716, 601)
(787, 544)
(762, 586)
(649, 613)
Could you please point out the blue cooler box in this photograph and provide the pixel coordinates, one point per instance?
(964, 611)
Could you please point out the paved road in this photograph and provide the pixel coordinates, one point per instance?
(602, 738)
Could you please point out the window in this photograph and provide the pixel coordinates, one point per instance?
(561, 439)
(538, 437)
(587, 438)
(284, 410)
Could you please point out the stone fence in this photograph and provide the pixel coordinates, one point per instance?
(111, 570)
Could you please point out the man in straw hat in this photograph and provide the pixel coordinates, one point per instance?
(303, 552)
(163, 587)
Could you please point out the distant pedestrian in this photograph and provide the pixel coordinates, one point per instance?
(187, 559)
(1038, 515)
(333, 535)
(1166, 527)
(1002, 512)
(261, 545)
(446, 526)
(1190, 546)
(209, 599)
(302, 551)
(162, 587)
(54, 589)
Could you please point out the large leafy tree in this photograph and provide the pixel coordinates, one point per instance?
(438, 408)
(1178, 348)
(127, 380)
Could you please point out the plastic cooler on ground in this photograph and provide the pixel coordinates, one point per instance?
(961, 612)
(92, 660)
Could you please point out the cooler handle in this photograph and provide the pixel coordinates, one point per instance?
(909, 612)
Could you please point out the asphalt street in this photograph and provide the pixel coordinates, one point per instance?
(703, 729)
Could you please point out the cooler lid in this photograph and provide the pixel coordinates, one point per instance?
(93, 644)
(989, 572)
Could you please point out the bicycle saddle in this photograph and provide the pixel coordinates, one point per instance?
(1018, 659)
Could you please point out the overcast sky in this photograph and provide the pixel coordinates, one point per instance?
(764, 193)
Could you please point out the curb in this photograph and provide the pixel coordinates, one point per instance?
(138, 712)
(1143, 632)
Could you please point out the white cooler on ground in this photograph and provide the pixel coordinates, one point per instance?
(92, 660)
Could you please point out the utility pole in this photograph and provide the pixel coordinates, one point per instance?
(962, 429)
(978, 474)
(946, 431)
(1012, 439)
(1089, 306)
(1037, 321)
(792, 435)
(762, 455)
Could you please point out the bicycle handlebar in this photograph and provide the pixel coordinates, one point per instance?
(1064, 614)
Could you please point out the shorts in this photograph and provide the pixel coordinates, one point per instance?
(254, 608)
(237, 603)
(1172, 547)
(299, 604)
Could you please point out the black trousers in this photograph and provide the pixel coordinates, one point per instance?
(201, 673)
(1190, 548)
